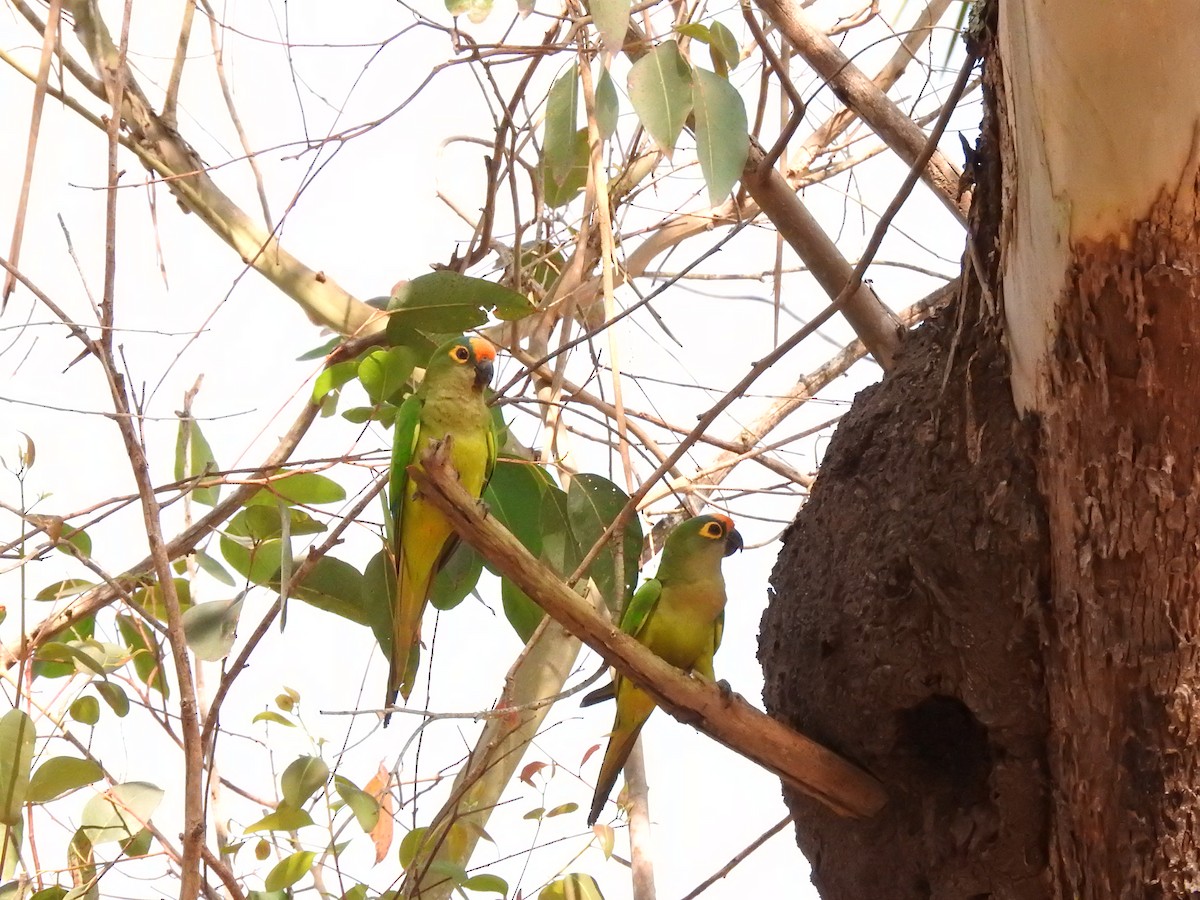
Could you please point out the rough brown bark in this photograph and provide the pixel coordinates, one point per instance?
(1120, 473)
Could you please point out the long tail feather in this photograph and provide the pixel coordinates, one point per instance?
(406, 639)
(633, 709)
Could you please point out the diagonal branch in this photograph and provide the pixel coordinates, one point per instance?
(164, 151)
(863, 96)
(801, 762)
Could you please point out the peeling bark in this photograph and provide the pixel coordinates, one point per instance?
(1120, 473)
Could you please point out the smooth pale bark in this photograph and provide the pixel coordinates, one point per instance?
(1100, 278)
(1102, 102)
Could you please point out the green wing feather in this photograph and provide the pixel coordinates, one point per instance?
(641, 605)
(404, 445)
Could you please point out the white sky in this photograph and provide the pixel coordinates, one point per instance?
(369, 218)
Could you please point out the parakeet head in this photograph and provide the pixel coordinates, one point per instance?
(473, 357)
(704, 535)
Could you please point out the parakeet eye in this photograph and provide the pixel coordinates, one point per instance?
(460, 354)
(713, 530)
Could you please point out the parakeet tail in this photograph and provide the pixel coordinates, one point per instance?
(406, 639)
(620, 745)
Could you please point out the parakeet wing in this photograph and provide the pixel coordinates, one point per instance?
(641, 605)
(404, 444)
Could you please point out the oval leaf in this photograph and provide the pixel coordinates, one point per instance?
(363, 805)
(16, 760)
(722, 142)
(448, 303)
(85, 710)
(660, 88)
(290, 870)
(562, 113)
(285, 818)
(211, 628)
(60, 775)
(121, 812)
(572, 887)
(302, 778)
(612, 21)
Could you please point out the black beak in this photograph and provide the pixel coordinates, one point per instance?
(483, 374)
(733, 542)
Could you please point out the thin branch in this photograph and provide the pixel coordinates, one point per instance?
(862, 95)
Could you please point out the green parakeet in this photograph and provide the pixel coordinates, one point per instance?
(678, 615)
(449, 407)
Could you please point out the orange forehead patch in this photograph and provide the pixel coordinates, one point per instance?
(725, 521)
(482, 348)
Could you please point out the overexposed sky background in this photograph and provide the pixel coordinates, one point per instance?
(367, 213)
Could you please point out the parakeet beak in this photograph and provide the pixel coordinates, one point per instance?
(483, 373)
(733, 542)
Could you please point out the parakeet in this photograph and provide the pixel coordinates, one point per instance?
(449, 406)
(679, 615)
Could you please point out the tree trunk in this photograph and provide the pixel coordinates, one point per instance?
(1004, 600)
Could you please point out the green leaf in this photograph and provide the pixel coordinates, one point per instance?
(147, 654)
(211, 627)
(16, 760)
(379, 586)
(304, 488)
(457, 578)
(259, 562)
(562, 113)
(410, 846)
(194, 457)
(57, 892)
(11, 837)
(334, 586)
(121, 812)
(660, 88)
(448, 303)
(574, 886)
(562, 809)
(114, 695)
(608, 106)
(697, 31)
(386, 374)
(77, 538)
(560, 550)
(290, 870)
(514, 496)
(285, 818)
(522, 613)
(138, 845)
(724, 46)
(486, 884)
(150, 598)
(333, 378)
(269, 715)
(475, 10)
(558, 193)
(363, 805)
(722, 142)
(322, 351)
(60, 775)
(85, 710)
(612, 21)
(593, 502)
(68, 587)
(302, 778)
(212, 567)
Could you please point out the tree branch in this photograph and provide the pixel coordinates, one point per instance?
(802, 763)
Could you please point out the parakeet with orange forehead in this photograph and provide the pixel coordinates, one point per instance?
(450, 406)
(678, 615)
